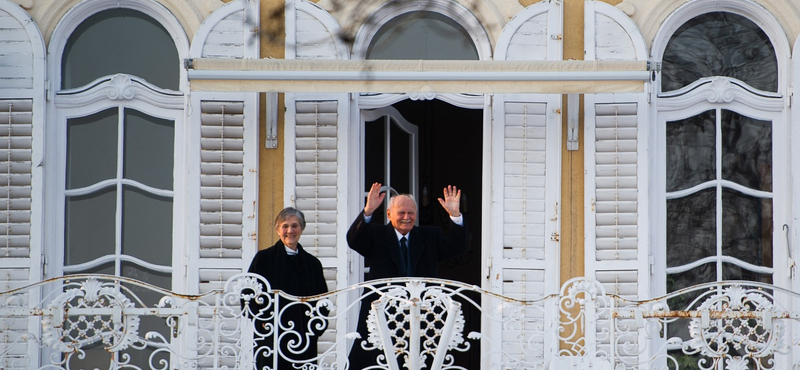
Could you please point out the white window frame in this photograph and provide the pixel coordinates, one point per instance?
(121, 90)
(713, 94)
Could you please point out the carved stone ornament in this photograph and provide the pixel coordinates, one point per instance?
(120, 88)
(722, 91)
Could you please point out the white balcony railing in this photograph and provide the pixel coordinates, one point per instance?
(106, 322)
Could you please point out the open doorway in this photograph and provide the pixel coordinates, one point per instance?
(444, 147)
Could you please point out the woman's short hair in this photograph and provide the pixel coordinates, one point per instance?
(287, 212)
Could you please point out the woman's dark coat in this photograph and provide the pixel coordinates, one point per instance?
(299, 275)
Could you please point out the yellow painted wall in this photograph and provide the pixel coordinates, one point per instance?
(270, 175)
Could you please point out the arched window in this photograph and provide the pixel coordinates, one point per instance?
(719, 44)
(720, 126)
(718, 154)
(114, 168)
(422, 35)
(120, 41)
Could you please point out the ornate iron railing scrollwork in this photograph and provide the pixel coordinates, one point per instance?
(412, 323)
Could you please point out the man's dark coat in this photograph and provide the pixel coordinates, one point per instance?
(428, 246)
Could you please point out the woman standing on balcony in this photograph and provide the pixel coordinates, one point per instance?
(289, 268)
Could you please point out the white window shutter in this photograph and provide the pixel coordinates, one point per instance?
(615, 160)
(526, 151)
(312, 33)
(313, 179)
(615, 186)
(22, 112)
(225, 145)
(613, 218)
(616, 252)
(221, 179)
(316, 176)
(15, 177)
(230, 32)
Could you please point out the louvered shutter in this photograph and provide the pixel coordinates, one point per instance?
(15, 216)
(313, 184)
(614, 192)
(524, 246)
(225, 128)
(227, 189)
(316, 176)
(22, 75)
(227, 200)
(221, 179)
(230, 32)
(615, 186)
(615, 181)
(15, 186)
(526, 154)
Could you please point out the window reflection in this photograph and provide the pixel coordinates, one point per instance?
(691, 151)
(719, 44)
(747, 151)
(719, 220)
(747, 228)
(691, 228)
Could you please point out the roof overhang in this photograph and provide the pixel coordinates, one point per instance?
(406, 76)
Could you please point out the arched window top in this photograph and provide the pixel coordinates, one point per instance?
(120, 40)
(422, 35)
(720, 44)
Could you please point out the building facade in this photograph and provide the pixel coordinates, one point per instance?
(683, 177)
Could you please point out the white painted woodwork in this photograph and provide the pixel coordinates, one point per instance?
(311, 33)
(224, 148)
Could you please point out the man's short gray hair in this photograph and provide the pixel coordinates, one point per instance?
(409, 196)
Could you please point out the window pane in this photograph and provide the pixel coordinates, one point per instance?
(747, 228)
(149, 149)
(747, 151)
(120, 41)
(374, 163)
(147, 226)
(733, 272)
(719, 44)
(704, 273)
(400, 159)
(91, 148)
(90, 226)
(422, 35)
(691, 151)
(691, 228)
